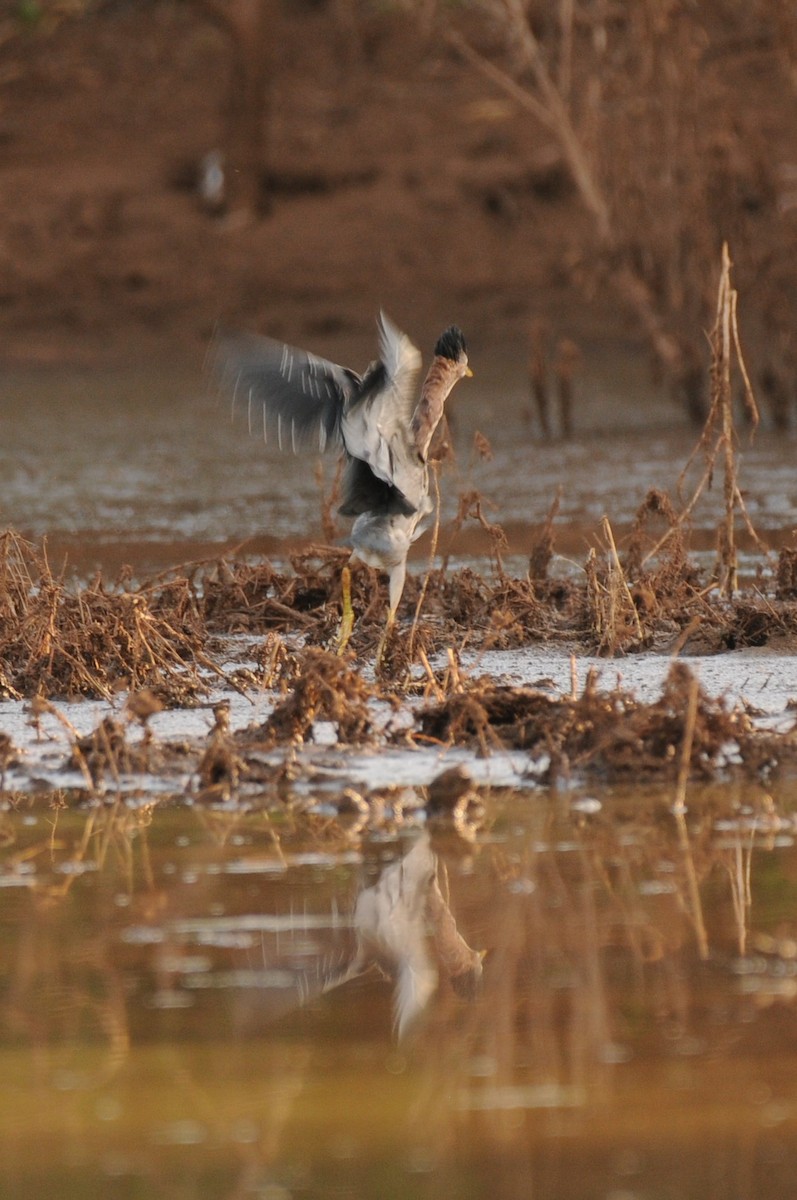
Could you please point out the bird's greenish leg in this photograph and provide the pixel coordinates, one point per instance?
(347, 612)
(395, 588)
(380, 650)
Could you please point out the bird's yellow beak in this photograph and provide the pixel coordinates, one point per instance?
(468, 373)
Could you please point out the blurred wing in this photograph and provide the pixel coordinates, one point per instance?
(376, 427)
(287, 392)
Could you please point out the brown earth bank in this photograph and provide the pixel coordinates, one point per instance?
(398, 175)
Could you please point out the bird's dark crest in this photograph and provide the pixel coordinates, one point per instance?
(451, 344)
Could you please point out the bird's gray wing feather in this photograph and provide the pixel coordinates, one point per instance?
(287, 393)
(376, 427)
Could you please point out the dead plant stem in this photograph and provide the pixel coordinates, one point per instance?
(620, 573)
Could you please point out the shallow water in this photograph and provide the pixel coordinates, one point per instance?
(168, 1025)
(165, 1031)
(146, 466)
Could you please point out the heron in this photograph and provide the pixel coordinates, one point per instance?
(375, 420)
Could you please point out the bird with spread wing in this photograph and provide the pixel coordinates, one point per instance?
(374, 419)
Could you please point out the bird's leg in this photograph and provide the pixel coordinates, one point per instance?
(380, 650)
(395, 588)
(347, 612)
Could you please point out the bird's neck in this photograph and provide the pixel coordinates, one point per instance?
(440, 379)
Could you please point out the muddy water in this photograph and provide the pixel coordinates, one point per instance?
(182, 1010)
(146, 466)
(177, 1018)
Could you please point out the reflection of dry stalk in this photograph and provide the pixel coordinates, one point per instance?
(679, 810)
(741, 891)
(568, 357)
(538, 373)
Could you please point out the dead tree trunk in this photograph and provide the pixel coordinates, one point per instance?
(251, 26)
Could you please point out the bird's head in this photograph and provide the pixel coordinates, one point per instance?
(451, 345)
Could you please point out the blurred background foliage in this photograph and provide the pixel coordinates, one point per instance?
(609, 146)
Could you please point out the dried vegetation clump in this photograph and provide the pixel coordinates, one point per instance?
(322, 687)
(57, 640)
(254, 597)
(610, 732)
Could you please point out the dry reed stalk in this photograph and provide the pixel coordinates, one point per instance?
(725, 352)
(614, 613)
(452, 681)
(719, 437)
(618, 576)
(723, 399)
(471, 506)
(542, 549)
(432, 687)
(685, 513)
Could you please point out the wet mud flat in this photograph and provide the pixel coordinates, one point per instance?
(222, 678)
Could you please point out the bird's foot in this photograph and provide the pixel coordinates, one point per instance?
(347, 612)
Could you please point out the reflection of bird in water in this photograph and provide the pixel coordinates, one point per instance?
(374, 419)
(404, 926)
(401, 926)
